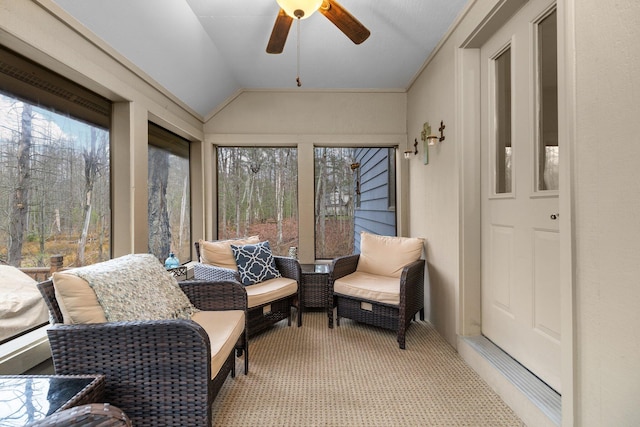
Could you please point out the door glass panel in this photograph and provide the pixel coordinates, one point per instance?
(503, 148)
(548, 99)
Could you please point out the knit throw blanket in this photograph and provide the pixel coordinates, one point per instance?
(136, 287)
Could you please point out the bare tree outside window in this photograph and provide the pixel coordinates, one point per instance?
(54, 195)
(334, 201)
(158, 178)
(169, 204)
(258, 195)
(54, 187)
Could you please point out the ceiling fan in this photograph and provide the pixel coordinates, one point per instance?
(301, 9)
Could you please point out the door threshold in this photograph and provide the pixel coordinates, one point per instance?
(529, 397)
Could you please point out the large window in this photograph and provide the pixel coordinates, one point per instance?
(169, 195)
(355, 191)
(258, 195)
(54, 180)
(337, 192)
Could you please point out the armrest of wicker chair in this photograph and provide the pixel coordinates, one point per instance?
(411, 291)
(220, 296)
(158, 372)
(289, 268)
(211, 273)
(215, 295)
(342, 266)
(338, 268)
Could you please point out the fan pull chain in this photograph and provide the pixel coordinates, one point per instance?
(298, 82)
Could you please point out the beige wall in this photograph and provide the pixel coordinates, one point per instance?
(43, 32)
(302, 112)
(607, 201)
(435, 202)
(433, 205)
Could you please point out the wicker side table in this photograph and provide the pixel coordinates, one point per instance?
(315, 279)
(28, 398)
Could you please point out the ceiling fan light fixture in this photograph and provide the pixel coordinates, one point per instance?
(293, 7)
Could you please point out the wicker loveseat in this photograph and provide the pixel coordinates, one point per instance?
(159, 372)
(268, 302)
(382, 286)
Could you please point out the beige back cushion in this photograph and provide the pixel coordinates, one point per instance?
(219, 253)
(387, 255)
(78, 302)
(128, 288)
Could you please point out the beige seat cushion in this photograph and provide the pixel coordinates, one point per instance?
(270, 290)
(370, 287)
(224, 329)
(387, 255)
(219, 253)
(78, 302)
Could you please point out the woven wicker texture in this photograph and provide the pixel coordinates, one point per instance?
(351, 376)
(159, 371)
(397, 318)
(90, 415)
(314, 287)
(257, 319)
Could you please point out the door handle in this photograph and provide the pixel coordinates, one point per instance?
(555, 216)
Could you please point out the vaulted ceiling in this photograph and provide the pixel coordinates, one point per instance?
(204, 51)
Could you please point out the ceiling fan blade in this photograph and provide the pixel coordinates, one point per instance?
(345, 21)
(279, 33)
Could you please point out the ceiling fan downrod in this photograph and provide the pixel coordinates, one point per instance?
(298, 82)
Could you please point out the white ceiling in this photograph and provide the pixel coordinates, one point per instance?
(203, 51)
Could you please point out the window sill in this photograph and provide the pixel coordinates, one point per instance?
(25, 352)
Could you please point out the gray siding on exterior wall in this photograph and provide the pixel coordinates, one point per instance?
(376, 213)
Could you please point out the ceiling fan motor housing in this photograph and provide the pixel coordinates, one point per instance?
(300, 9)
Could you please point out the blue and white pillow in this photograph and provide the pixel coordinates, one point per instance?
(255, 263)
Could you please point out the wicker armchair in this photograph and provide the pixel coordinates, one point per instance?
(267, 313)
(158, 372)
(362, 298)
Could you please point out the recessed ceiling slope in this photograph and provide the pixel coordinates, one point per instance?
(203, 51)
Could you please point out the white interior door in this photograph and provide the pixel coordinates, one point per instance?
(520, 235)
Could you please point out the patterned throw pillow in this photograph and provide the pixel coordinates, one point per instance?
(218, 253)
(255, 263)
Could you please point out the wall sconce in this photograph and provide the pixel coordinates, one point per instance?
(430, 138)
(407, 154)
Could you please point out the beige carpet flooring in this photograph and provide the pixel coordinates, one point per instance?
(355, 375)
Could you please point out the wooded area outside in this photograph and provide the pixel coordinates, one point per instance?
(258, 195)
(54, 187)
(335, 187)
(169, 206)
